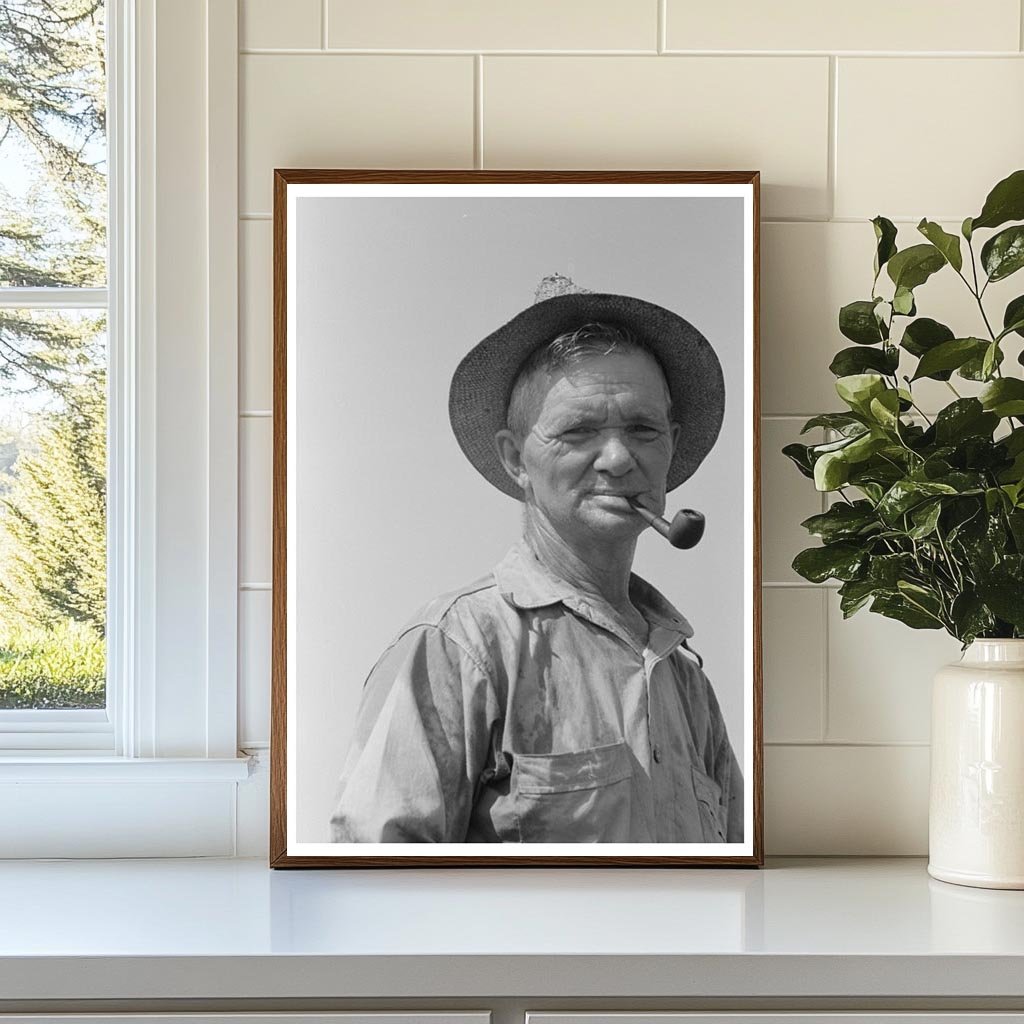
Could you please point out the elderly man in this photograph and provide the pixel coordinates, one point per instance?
(555, 700)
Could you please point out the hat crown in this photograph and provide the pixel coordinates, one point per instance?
(553, 285)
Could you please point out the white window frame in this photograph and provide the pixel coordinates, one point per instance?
(162, 761)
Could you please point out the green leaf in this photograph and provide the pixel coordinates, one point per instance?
(947, 244)
(1013, 317)
(857, 321)
(1004, 397)
(912, 267)
(831, 471)
(1013, 478)
(854, 594)
(885, 236)
(1003, 254)
(1014, 441)
(1017, 326)
(965, 229)
(1015, 519)
(963, 482)
(843, 521)
(799, 454)
(970, 616)
(887, 570)
(950, 355)
(994, 499)
(872, 491)
(897, 607)
(903, 302)
(964, 418)
(849, 361)
(1006, 599)
(925, 518)
(974, 368)
(881, 471)
(906, 494)
(841, 421)
(817, 450)
(858, 389)
(863, 447)
(885, 409)
(840, 561)
(923, 335)
(990, 360)
(1005, 202)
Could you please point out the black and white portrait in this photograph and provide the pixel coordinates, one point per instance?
(519, 555)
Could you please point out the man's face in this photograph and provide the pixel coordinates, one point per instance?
(600, 433)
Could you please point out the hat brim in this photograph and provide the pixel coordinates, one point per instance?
(482, 383)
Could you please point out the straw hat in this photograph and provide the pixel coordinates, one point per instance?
(482, 384)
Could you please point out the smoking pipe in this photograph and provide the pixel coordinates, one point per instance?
(685, 530)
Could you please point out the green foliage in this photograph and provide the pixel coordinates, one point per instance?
(53, 521)
(53, 234)
(52, 124)
(62, 667)
(928, 522)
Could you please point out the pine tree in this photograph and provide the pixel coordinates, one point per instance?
(52, 122)
(53, 234)
(53, 521)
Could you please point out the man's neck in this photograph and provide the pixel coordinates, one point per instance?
(601, 571)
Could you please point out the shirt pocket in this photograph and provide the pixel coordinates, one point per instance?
(709, 803)
(578, 797)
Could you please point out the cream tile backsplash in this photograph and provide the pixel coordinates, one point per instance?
(651, 112)
(872, 25)
(472, 25)
(256, 356)
(262, 24)
(969, 110)
(794, 663)
(350, 111)
(838, 139)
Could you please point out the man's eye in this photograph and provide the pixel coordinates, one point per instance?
(644, 433)
(577, 434)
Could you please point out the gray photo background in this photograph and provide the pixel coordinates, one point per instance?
(391, 293)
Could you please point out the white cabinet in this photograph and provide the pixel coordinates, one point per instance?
(369, 1017)
(787, 1017)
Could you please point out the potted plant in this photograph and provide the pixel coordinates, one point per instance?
(927, 521)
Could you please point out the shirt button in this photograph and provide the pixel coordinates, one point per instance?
(657, 754)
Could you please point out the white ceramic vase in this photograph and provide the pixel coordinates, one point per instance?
(976, 814)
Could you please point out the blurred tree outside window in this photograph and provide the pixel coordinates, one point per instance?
(53, 383)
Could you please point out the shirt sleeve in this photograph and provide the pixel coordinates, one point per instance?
(725, 770)
(421, 740)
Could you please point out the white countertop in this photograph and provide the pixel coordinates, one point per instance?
(235, 929)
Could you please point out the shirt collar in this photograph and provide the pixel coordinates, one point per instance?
(526, 582)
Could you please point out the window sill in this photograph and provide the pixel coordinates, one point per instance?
(77, 767)
(79, 806)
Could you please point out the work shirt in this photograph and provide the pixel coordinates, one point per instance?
(517, 709)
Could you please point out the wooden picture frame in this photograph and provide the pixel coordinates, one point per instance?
(383, 281)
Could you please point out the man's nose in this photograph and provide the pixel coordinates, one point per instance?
(614, 457)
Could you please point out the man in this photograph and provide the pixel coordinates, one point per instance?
(555, 699)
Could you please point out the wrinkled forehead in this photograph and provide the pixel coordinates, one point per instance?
(633, 378)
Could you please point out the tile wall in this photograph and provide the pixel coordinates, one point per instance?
(908, 110)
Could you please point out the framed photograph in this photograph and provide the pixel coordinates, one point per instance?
(516, 586)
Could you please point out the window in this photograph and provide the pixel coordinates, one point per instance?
(155, 770)
(53, 369)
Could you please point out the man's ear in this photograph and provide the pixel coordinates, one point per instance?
(510, 451)
(675, 429)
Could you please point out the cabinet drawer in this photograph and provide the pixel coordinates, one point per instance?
(789, 1017)
(360, 1017)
